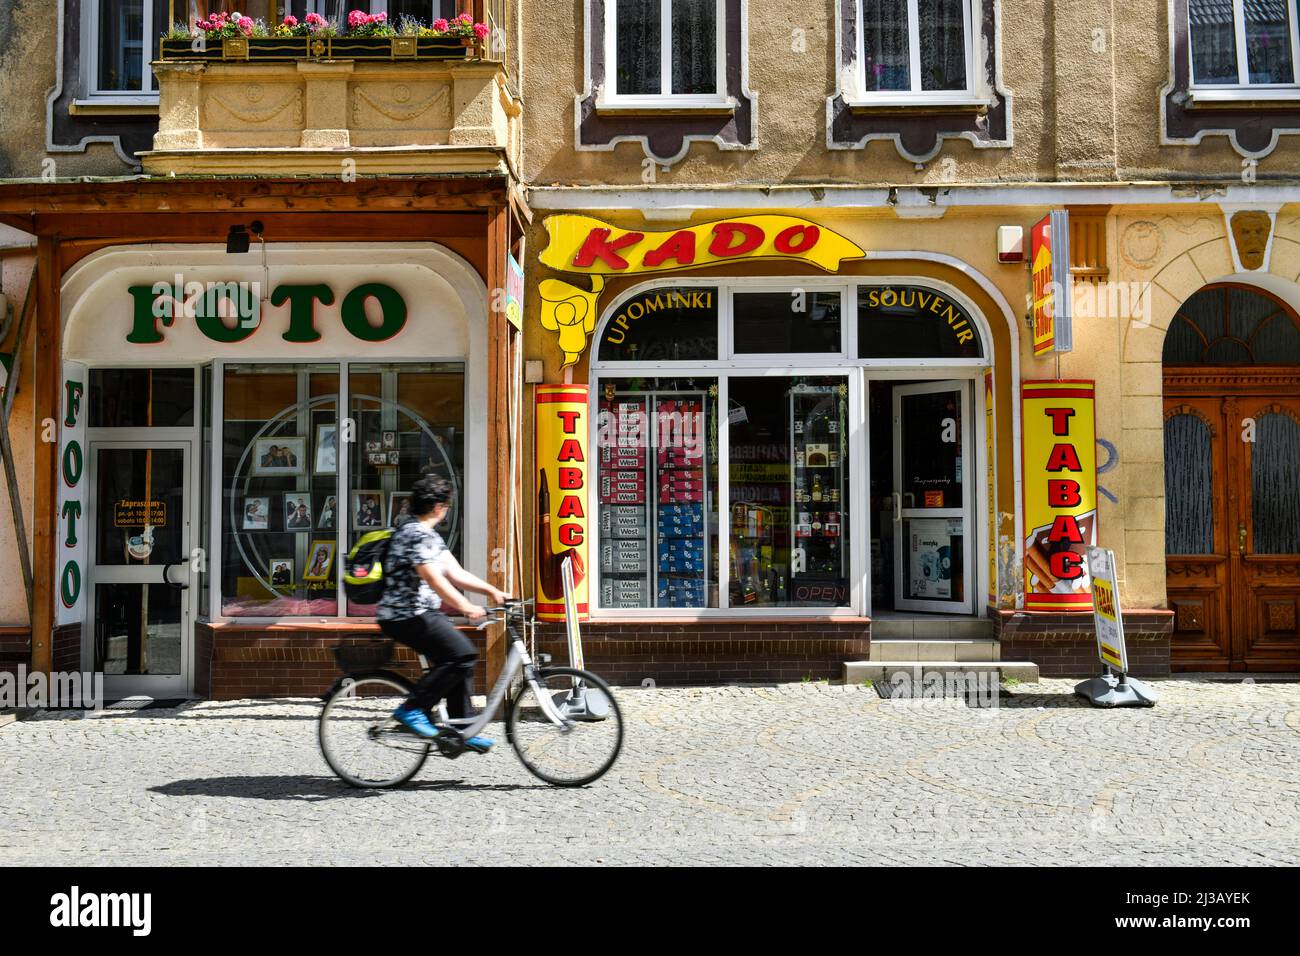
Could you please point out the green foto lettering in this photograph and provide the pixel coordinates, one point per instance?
(391, 304)
(208, 318)
(302, 301)
(71, 511)
(70, 584)
(144, 323)
(73, 391)
(72, 464)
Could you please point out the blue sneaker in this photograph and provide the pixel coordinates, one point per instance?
(480, 744)
(416, 721)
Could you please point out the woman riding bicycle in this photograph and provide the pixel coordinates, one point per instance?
(421, 578)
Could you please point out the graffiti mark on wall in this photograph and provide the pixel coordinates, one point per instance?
(1112, 459)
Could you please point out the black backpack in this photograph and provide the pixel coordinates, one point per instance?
(363, 577)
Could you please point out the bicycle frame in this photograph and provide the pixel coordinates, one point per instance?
(517, 661)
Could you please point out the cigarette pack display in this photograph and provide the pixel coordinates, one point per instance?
(673, 564)
(633, 564)
(615, 551)
(623, 592)
(622, 475)
(677, 487)
(624, 497)
(669, 496)
(667, 511)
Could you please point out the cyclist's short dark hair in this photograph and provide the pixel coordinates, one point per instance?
(428, 493)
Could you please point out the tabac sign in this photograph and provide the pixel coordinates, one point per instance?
(1060, 493)
(585, 245)
(1049, 245)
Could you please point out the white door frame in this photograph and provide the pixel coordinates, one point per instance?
(965, 512)
(157, 686)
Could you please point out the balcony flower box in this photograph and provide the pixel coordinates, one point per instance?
(273, 49)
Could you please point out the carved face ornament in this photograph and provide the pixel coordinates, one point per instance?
(1250, 234)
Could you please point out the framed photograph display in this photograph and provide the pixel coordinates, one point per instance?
(257, 512)
(367, 509)
(327, 449)
(399, 507)
(279, 456)
(327, 513)
(281, 572)
(320, 561)
(297, 511)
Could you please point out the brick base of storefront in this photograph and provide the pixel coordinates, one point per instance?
(709, 652)
(14, 649)
(1065, 645)
(234, 661)
(65, 648)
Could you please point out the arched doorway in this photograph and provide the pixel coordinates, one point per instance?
(1232, 481)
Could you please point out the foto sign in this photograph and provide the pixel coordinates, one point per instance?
(1106, 612)
(1049, 244)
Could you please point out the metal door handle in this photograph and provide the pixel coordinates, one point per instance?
(1241, 538)
(898, 506)
(168, 581)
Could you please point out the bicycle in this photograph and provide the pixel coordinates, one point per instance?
(557, 714)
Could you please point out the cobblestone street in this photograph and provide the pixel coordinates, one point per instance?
(799, 774)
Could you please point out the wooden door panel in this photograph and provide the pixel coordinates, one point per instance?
(1197, 573)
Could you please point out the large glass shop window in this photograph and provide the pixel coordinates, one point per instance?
(410, 422)
(789, 491)
(657, 480)
(279, 491)
(669, 324)
(905, 321)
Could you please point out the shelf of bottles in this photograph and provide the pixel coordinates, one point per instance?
(818, 448)
(653, 486)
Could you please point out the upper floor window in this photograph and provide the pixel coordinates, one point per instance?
(665, 48)
(1245, 43)
(124, 41)
(914, 49)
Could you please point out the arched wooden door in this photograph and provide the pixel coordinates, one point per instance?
(1232, 481)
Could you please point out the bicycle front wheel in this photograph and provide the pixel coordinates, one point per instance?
(585, 742)
(359, 738)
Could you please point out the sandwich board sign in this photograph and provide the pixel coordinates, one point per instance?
(1114, 688)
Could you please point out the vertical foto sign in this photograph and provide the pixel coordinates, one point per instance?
(562, 483)
(1059, 486)
(70, 567)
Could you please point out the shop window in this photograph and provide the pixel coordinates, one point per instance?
(279, 491)
(905, 321)
(789, 491)
(786, 322)
(141, 398)
(657, 480)
(1240, 43)
(914, 47)
(666, 47)
(409, 423)
(674, 324)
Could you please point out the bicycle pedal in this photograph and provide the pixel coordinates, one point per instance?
(449, 746)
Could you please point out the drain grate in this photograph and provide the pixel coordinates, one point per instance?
(144, 703)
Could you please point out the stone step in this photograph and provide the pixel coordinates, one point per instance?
(855, 672)
(930, 628)
(960, 650)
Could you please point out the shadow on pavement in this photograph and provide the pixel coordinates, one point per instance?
(309, 788)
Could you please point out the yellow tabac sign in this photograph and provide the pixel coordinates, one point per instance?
(585, 245)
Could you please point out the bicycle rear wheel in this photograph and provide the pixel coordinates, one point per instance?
(359, 738)
(581, 748)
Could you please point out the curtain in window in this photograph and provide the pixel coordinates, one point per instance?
(1214, 41)
(1268, 42)
(1189, 526)
(943, 44)
(695, 46)
(636, 68)
(1275, 485)
(884, 45)
(121, 55)
(257, 9)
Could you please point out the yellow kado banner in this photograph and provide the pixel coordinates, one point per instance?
(587, 245)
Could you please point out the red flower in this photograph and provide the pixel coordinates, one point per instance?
(481, 31)
(441, 25)
(290, 21)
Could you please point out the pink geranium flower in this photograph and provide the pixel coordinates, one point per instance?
(441, 25)
(481, 30)
(291, 21)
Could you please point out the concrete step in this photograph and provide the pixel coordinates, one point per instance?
(855, 672)
(948, 649)
(930, 628)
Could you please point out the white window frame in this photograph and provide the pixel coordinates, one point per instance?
(89, 42)
(610, 98)
(1243, 89)
(915, 95)
(859, 373)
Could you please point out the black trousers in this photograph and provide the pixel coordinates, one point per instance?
(452, 656)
